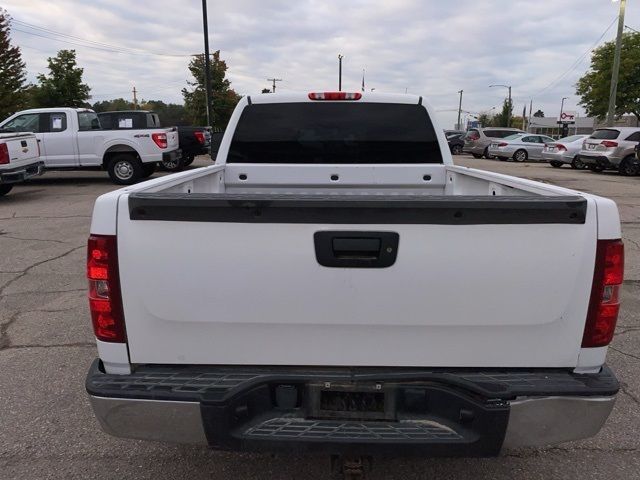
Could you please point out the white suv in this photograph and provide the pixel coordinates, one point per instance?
(612, 148)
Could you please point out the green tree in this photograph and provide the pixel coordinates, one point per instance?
(170, 114)
(485, 119)
(112, 105)
(13, 96)
(224, 97)
(502, 119)
(63, 86)
(593, 88)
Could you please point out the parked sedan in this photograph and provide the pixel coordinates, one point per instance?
(456, 143)
(477, 140)
(520, 146)
(565, 152)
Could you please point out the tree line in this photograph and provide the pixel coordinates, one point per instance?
(63, 86)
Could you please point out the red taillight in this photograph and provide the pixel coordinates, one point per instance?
(335, 96)
(609, 144)
(4, 154)
(160, 139)
(474, 136)
(105, 301)
(199, 136)
(561, 148)
(604, 304)
(503, 144)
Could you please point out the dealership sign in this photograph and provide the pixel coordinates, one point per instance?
(567, 117)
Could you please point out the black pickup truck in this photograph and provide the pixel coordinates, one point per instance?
(193, 140)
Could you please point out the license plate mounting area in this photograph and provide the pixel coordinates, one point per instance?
(370, 401)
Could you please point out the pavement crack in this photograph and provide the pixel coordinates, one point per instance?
(53, 345)
(26, 217)
(624, 353)
(37, 264)
(624, 388)
(632, 241)
(4, 235)
(43, 292)
(627, 330)
(5, 341)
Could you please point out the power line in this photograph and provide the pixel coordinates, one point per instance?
(83, 42)
(575, 64)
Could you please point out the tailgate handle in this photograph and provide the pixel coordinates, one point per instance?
(368, 248)
(340, 249)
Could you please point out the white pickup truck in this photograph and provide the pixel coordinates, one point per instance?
(19, 159)
(71, 138)
(342, 287)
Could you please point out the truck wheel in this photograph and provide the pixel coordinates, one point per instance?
(520, 156)
(148, 169)
(188, 159)
(596, 168)
(578, 164)
(475, 155)
(125, 169)
(629, 167)
(4, 189)
(456, 150)
(555, 163)
(174, 165)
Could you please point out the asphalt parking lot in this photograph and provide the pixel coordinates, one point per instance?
(47, 429)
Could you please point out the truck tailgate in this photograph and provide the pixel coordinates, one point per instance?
(22, 147)
(477, 281)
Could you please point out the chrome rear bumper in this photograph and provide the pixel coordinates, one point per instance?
(425, 412)
(533, 422)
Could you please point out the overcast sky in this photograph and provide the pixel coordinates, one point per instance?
(428, 47)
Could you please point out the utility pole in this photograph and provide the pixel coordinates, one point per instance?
(530, 115)
(510, 109)
(207, 65)
(459, 127)
(340, 57)
(613, 95)
(135, 98)
(274, 80)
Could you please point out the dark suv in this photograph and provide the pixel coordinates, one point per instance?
(477, 140)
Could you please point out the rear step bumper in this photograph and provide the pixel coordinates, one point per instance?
(353, 411)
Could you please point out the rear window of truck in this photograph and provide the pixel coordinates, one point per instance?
(343, 133)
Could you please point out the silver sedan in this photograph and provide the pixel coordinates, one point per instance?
(565, 152)
(521, 147)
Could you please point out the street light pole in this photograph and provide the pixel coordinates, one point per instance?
(459, 127)
(561, 112)
(562, 106)
(616, 66)
(340, 57)
(510, 104)
(207, 65)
